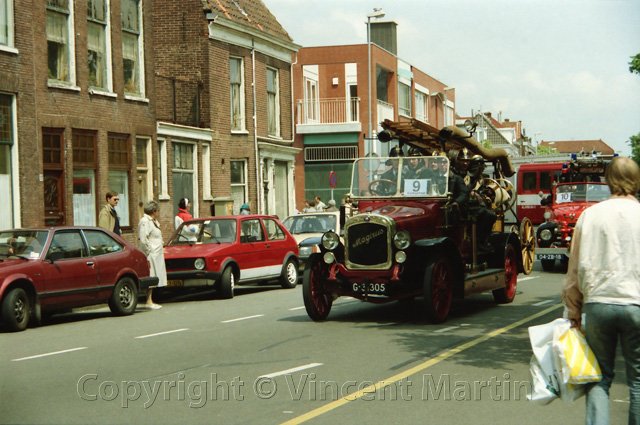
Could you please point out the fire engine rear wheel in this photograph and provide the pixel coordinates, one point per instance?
(438, 289)
(317, 301)
(548, 265)
(528, 240)
(508, 293)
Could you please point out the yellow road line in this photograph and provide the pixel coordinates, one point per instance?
(419, 368)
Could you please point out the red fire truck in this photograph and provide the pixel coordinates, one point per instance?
(532, 181)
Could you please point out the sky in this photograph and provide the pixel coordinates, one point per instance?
(559, 66)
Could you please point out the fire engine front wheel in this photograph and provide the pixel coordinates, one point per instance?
(438, 289)
(317, 301)
(508, 293)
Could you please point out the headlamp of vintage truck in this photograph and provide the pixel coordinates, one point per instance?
(330, 241)
(402, 239)
(546, 235)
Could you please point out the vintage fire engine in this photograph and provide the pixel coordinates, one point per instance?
(581, 185)
(408, 238)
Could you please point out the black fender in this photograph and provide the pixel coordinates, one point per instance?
(425, 249)
(291, 256)
(499, 242)
(552, 226)
(234, 266)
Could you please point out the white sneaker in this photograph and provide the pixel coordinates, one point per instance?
(153, 306)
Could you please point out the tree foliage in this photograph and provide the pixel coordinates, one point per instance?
(634, 142)
(634, 65)
(546, 150)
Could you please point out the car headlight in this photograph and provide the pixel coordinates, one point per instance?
(402, 239)
(305, 251)
(199, 263)
(330, 241)
(546, 235)
(401, 257)
(547, 215)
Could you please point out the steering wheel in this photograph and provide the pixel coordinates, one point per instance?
(501, 192)
(382, 187)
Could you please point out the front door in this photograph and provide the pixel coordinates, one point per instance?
(54, 198)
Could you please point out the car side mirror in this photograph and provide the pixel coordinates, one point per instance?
(55, 256)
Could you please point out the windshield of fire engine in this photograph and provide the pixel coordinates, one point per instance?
(581, 192)
(410, 176)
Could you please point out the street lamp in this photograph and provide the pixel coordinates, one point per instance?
(377, 13)
(536, 137)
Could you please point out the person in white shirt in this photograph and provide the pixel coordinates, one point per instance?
(603, 282)
(320, 206)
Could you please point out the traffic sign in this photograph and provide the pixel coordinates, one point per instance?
(333, 179)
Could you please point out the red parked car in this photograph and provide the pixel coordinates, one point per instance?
(49, 269)
(227, 251)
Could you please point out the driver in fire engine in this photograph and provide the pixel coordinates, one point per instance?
(470, 172)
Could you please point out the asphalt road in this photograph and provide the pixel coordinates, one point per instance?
(259, 359)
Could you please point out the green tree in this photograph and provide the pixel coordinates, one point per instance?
(546, 150)
(634, 65)
(487, 144)
(634, 142)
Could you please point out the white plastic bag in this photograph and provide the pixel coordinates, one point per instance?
(550, 377)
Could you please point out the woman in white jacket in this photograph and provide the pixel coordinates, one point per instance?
(151, 244)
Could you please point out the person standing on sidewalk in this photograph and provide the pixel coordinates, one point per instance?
(151, 244)
(603, 282)
(108, 217)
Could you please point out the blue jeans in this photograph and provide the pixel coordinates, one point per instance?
(605, 323)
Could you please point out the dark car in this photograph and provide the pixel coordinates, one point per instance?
(51, 269)
(222, 252)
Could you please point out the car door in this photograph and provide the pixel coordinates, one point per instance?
(253, 259)
(110, 257)
(278, 246)
(71, 277)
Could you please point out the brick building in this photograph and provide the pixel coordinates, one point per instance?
(225, 135)
(78, 115)
(332, 107)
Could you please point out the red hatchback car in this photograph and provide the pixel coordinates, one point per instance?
(225, 251)
(49, 269)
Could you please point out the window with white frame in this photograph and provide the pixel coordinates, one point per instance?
(273, 102)
(132, 63)
(404, 99)
(6, 23)
(206, 171)
(422, 113)
(8, 169)
(237, 94)
(448, 113)
(60, 53)
(97, 35)
(311, 101)
(238, 183)
(118, 146)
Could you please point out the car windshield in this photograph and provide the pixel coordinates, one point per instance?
(26, 244)
(211, 231)
(581, 192)
(410, 176)
(310, 223)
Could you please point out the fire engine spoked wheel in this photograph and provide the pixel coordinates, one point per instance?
(438, 289)
(528, 243)
(508, 293)
(382, 187)
(317, 301)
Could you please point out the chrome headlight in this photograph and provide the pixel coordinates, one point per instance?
(199, 263)
(329, 258)
(401, 257)
(546, 235)
(402, 239)
(330, 241)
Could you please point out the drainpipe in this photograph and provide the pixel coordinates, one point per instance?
(255, 129)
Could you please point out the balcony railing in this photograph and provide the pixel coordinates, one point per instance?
(328, 111)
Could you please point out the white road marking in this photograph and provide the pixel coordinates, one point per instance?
(528, 278)
(295, 369)
(543, 302)
(49, 354)
(450, 328)
(242, 318)
(161, 333)
(296, 308)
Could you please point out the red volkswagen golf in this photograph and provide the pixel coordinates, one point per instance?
(226, 251)
(49, 269)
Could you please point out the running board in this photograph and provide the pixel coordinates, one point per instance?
(486, 280)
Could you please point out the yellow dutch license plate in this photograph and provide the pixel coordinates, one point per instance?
(175, 283)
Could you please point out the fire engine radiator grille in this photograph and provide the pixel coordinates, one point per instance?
(367, 245)
(330, 153)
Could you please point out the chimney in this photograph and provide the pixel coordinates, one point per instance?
(385, 35)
